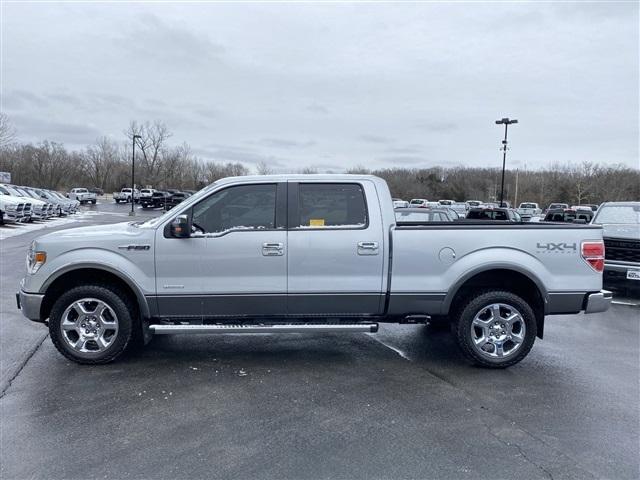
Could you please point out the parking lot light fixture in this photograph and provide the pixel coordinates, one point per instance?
(506, 122)
(133, 172)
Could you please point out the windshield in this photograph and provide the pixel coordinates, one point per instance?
(32, 193)
(527, 205)
(14, 192)
(4, 191)
(619, 214)
(170, 213)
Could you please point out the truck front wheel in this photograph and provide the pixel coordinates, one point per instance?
(495, 329)
(91, 324)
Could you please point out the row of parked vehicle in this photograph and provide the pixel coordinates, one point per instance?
(152, 198)
(25, 204)
(478, 210)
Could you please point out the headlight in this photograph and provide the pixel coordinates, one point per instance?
(35, 259)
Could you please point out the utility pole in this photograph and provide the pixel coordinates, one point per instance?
(515, 200)
(506, 122)
(133, 172)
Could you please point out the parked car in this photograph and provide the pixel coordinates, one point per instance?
(446, 203)
(98, 191)
(473, 203)
(418, 202)
(62, 205)
(422, 215)
(39, 209)
(585, 207)
(305, 253)
(50, 208)
(621, 232)
(12, 208)
(83, 195)
(496, 213)
(568, 215)
(176, 198)
(460, 208)
(157, 199)
(146, 193)
(556, 206)
(70, 205)
(529, 209)
(125, 196)
(399, 203)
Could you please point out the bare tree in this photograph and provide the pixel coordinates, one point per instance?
(7, 132)
(263, 168)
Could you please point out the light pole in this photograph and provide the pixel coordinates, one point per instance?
(506, 122)
(133, 172)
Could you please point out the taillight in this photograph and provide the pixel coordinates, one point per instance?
(593, 254)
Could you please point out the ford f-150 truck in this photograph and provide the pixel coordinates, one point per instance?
(299, 253)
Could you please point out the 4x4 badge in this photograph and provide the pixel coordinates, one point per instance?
(550, 247)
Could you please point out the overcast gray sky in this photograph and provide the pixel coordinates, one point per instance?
(333, 85)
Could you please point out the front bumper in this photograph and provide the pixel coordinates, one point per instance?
(598, 302)
(29, 304)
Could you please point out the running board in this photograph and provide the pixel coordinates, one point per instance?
(171, 329)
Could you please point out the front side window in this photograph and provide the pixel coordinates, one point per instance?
(333, 205)
(244, 207)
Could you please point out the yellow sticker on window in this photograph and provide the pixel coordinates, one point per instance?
(316, 222)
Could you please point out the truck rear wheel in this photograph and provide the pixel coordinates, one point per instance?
(495, 329)
(91, 324)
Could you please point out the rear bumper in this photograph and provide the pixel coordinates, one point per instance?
(598, 302)
(29, 304)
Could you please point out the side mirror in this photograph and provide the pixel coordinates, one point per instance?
(181, 227)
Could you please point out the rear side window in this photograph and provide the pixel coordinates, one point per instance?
(331, 205)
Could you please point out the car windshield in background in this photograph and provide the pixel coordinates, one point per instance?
(528, 205)
(487, 215)
(618, 214)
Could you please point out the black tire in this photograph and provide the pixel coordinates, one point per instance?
(117, 301)
(475, 303)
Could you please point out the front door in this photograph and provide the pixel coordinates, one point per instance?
(237, 254)
(336, 249)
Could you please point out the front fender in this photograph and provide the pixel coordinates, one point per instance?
(137, 273)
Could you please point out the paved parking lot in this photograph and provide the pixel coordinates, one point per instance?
(397, 404)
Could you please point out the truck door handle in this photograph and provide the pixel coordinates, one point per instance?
(367, 248)
(272, 249)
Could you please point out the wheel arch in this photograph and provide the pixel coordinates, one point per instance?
(505, 277)
(79, 274)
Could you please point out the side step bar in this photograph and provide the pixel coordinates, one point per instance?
(171, 329)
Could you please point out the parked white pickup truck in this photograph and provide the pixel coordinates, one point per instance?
(124, 195)
(529, 209)
(299, 253)
(82, 195)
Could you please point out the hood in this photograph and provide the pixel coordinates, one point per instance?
(33, 201)
(10, 199)
(95, 233)
(626, 231)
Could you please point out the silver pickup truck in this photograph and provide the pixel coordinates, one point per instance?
(299, 253)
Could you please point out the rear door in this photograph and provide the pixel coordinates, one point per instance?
(335, 249)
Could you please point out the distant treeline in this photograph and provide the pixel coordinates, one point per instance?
(106, 164)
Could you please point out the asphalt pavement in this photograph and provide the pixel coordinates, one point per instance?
(401, 403)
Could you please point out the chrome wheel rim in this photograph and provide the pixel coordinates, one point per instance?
(498, 331)
(89, 325)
